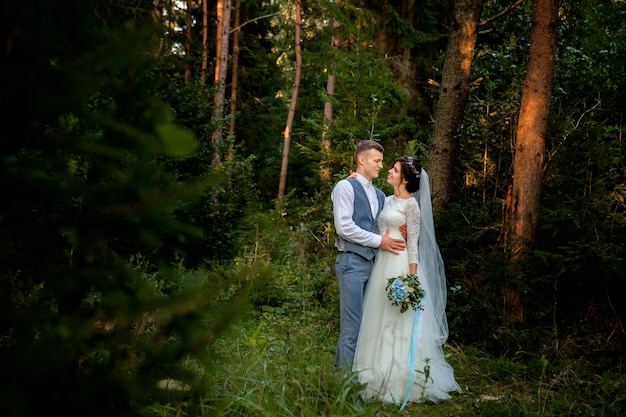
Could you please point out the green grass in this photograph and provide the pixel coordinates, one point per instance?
(279, 362)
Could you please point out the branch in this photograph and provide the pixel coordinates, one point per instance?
(567, 133)
(502, 13)
(252, 21)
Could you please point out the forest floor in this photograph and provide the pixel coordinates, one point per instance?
(277, 363)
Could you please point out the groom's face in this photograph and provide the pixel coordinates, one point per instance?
(372, 163)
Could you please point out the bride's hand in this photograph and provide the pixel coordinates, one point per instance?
(402, 229)
(352, 175)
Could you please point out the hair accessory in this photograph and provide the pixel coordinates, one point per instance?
(413, 169)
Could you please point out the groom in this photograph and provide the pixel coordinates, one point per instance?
(356, 206)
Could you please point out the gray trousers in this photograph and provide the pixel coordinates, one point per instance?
(353, 272)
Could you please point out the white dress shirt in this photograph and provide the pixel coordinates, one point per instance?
(343, 209)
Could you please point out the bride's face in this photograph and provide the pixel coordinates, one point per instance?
(394, 175)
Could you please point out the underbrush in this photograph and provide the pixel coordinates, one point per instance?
(278, 360)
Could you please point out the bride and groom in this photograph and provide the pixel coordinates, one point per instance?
(398, 356)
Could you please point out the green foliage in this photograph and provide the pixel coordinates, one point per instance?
(219, 212)
(279, 362)
(125, 260)
(418, 30)
(85, 326)
(300, 281)
(581, 208)
(475, 271)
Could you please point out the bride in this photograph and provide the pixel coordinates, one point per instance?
(399, 356)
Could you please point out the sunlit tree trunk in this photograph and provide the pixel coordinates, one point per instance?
(530, 145)
(292, 108)
(221, 70)
(234, 75)
(331, 81)
(454, 90)
(205, 41)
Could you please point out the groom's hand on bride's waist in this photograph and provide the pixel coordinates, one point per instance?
(391, 244)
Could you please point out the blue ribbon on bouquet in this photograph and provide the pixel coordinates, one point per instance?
(411, 359)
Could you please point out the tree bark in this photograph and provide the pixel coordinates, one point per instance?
(221, 70)
(234, 76)
(454, 91)
(157, 10)
(406, 68)
(325, 170)
(158, 18)
(188, 35)
(530, 145)
(292, 108)
(205, 41)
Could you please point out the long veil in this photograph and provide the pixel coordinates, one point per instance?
(431, 269)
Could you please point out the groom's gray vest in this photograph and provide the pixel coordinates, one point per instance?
(362, 216)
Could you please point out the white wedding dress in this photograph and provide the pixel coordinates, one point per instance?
(399, 356)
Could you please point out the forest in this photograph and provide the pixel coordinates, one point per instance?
(167, 230)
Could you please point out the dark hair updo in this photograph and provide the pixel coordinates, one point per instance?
(410, 168)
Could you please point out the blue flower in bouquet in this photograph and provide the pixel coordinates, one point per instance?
(405, 291)
(398, 291)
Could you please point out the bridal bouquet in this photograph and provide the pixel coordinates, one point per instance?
(405, 291)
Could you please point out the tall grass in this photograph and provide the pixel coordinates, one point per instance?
(278, 361)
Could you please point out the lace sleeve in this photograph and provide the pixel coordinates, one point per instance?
(412, 229)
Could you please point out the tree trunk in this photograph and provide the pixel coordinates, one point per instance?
(157, 10)
(453, 95)
(325, 164)
(221, 70)
(188, 35)
(407, 70)
(328, 104)
(157, 16)
(205, 41)
(234, 75)
(292, 109)
(530, 145)
(325, 170)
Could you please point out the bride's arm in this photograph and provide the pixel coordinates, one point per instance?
(413, 231)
